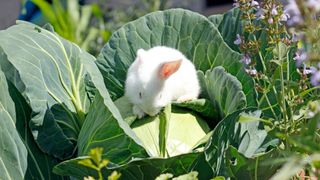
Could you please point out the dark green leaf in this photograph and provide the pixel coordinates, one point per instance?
(148, 168)
(242, 167)
(40, 165)
(202, 106)
(73, 168)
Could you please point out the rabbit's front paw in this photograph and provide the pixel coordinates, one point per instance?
(138, 111)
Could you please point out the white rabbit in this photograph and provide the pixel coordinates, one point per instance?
(159, 76)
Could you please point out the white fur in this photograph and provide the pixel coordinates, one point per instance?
(143, 77)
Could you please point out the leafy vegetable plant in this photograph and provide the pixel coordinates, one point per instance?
(58, 103)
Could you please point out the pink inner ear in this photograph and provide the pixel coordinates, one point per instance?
(167, 69)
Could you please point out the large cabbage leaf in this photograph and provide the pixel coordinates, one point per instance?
(13, 153)
(223, 89)
(52, 75)
(40, 164)
(191, 33)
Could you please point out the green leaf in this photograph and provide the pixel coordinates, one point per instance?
(229, 25)
(73, 168)
(150, 168)
(40, 164)
(191, 33)
(105, 128)
(248, 138)
(202, 106)
(51, 78)
(86, 12)
(125, 108)
(241, 167)
(223, 90)
(283, 50)
(147, 168)
(178, 139)
(185, 130)
(13, 153)
(73, 10)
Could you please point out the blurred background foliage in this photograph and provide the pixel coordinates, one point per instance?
(82, 24)
(88, 25)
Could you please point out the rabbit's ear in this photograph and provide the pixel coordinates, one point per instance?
(140, 53)
(168, 68)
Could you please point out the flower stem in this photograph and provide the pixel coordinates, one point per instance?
(282, 94)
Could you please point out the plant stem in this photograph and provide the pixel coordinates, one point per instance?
(264, 68)
(256, 169)
(282, 95)
(264, 96)
(164, 118)
(288, 86)
(100, 175)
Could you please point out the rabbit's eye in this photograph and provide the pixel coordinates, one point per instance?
(140, 95)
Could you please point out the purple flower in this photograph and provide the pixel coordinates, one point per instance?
(238, 40)
(293, 11)
(270, 20)
(274, 11)
(300, 57)
(315, 79)
(254, 4)
(260, 14)
(284, 17)
(251, 71)
(296, 37)
(236, 4)
(315, 4)
(310, 70)
(246, 59)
